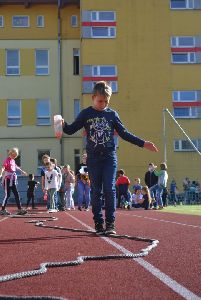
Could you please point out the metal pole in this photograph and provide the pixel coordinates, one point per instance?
(164, 137)
(60, 77)
(166, 110)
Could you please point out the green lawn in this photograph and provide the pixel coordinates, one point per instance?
(183, 209)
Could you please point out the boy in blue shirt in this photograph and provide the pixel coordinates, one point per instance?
(100, 122)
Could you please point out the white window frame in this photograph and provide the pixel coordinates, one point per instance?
(181, 149)
(109, 35)
(177, 44)
(48, 117)
(177, 40)
(97, 19)
(188, 5)
(14, 117)
(191, 115)
(188, 58)
(43, 21)
(42, 66)
(76, 21)
(105, 75)
(17, 67)
(182, 100)
(20, 26)
(2, 22)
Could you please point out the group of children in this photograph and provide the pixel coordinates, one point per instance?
(142, 196)
(51, 179)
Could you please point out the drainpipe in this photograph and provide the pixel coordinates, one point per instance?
(60, 75)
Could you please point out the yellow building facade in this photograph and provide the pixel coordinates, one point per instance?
(149, 50)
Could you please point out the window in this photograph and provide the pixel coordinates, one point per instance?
(74, 21)
(183, 58)
(1, 21)
(14, 112)
(185, 96)
(102, 16)
(40, 155)
(187, 112)
(20, 21)
(109, 70)
(76, 107)
(40, 21)
(43, 112)
(42, 61)
(76, 158)
(12, 62)
(103, 32)
(99, 24)
(185, 145)
(181, 4)
(183, 41)
(76, 61)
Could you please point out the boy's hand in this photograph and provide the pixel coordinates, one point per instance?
(150, 146)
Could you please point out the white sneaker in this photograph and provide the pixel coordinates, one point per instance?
(52, 210)
(68, 208)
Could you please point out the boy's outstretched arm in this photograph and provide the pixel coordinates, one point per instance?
(75, 126)
(150, 146)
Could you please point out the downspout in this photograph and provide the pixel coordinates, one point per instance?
(60, 76)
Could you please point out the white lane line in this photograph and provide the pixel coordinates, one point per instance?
(3, 219)
(160, 220)
(171, 283)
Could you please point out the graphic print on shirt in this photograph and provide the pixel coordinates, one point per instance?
(49, 179)
(99, 131)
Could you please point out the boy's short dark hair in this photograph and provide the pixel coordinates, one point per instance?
(102, 88)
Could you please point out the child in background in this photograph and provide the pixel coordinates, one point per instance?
(160, 186)
(51, 184)
(57, 201)
(32, 184)
(69, 186)
(146, 200)
(9, 181)
(137, 197)
(100, 123)
(122, 184)
(136, 182)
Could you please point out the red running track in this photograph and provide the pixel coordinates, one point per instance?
(170, 271)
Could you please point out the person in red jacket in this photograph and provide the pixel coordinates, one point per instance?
(122, 184)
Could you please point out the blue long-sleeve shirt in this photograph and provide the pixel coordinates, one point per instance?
(100, 127)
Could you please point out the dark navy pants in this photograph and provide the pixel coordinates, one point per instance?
(102, 169)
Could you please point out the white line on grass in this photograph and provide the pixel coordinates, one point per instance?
(171, 283)
(160, 220)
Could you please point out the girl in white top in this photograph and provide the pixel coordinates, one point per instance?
(51, 184)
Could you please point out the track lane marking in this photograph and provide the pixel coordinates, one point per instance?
(160, 220)
(3, 219)
(171, 283)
